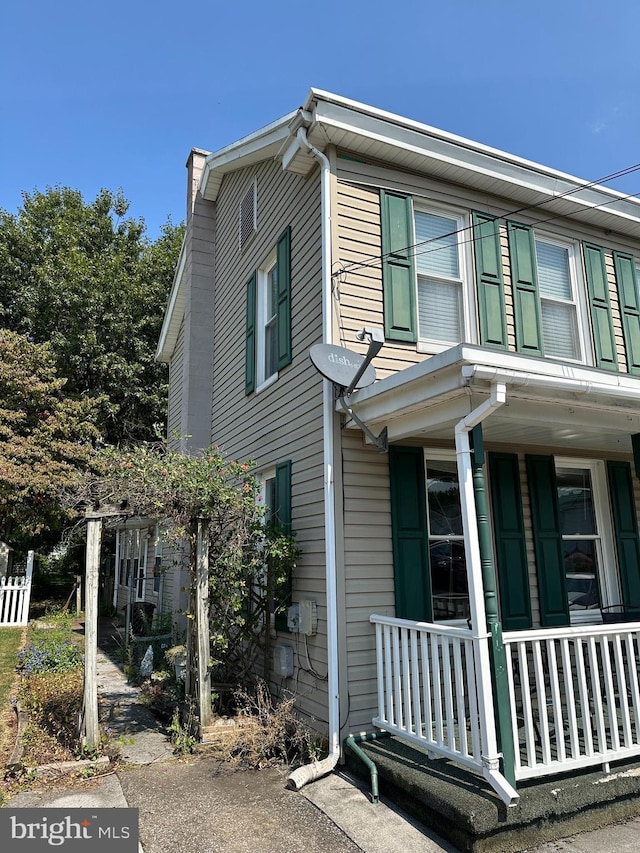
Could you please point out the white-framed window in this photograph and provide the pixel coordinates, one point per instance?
(444, 299)
(132, 553)
(447, 556)
(587, 538)
(267, 322)
(561, 311)
(266, 496)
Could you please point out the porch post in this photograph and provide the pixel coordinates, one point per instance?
(484, 686)
(498, 656)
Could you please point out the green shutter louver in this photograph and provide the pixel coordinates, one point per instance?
(597, 285)
(547, 537)
(626, 280)
(489, 281)
(409, 533)
(282, 519)
(509, 535)
(398, 269)
(284, 299)
(250, 338)
(625, 522)
(526, 297)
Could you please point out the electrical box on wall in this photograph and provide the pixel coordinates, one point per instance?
(283, 661)
(308, 623)
(293, 618)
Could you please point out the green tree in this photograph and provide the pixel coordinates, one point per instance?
(85, 278)
(46, 440)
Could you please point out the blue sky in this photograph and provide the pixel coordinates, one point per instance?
(116, 94)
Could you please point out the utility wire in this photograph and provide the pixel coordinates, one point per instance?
(376, 259)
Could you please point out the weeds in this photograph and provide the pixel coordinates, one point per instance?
(267, 732)
(181, 733)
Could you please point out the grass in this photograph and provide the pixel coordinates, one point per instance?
(11, 641)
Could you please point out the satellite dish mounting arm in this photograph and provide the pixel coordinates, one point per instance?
(375, 337)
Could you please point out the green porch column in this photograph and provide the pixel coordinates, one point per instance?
(498, 656)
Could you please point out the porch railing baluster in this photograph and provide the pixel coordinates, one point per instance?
(575, 696)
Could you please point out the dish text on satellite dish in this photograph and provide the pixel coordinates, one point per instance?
(340, 365)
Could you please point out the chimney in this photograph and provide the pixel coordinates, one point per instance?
(195, 165)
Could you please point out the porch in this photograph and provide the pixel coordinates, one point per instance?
(574, 709)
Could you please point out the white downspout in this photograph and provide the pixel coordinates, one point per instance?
(309, 772)
(489, 742)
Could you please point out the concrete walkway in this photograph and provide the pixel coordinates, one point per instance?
(199, 805)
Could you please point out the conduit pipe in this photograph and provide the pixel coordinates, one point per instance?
(316, 769)
(488, 736)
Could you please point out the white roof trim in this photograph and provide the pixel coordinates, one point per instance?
(254, 148)
(474, 367)
(174, 311)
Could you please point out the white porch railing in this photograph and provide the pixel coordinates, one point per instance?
(575, 697)
(15, 594)
(427, 687)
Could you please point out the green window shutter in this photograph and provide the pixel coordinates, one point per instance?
(409, 533)
(284, 299)
(625, 267)
(398, 269)
(547, 538)
(596, 272)
(250, 338)
(526, 297)
(282, 518)
(509, 534)
(489, 282)
(625, 522)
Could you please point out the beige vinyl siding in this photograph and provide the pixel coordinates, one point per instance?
(508, 288)
(358, 295)
(369, 584)
(284, 420)
(616, 315)
(176, 387)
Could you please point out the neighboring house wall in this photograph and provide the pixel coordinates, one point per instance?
(282, 421)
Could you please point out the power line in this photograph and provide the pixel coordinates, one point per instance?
(377, 259)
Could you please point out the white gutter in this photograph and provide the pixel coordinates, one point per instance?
(488, 737)
(309, 772)
(516, 378)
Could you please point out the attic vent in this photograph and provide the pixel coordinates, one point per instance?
(248, 220)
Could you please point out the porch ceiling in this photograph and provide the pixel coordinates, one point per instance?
(549, 404)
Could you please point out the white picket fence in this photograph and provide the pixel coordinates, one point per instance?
(15, 594)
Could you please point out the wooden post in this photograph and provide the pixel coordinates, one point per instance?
(202, 624)
(78, 594)
(94, 539)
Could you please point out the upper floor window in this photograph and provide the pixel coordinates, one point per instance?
(268, 317)
(267, 321)
(440, 277)
(558, 300)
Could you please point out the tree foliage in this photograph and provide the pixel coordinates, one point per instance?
(85, 278)
(45, 438)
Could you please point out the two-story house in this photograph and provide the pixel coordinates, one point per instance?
(473, 588)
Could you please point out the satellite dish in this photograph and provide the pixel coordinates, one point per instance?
(340, 365)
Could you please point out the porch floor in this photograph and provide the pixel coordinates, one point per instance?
(461, 807)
